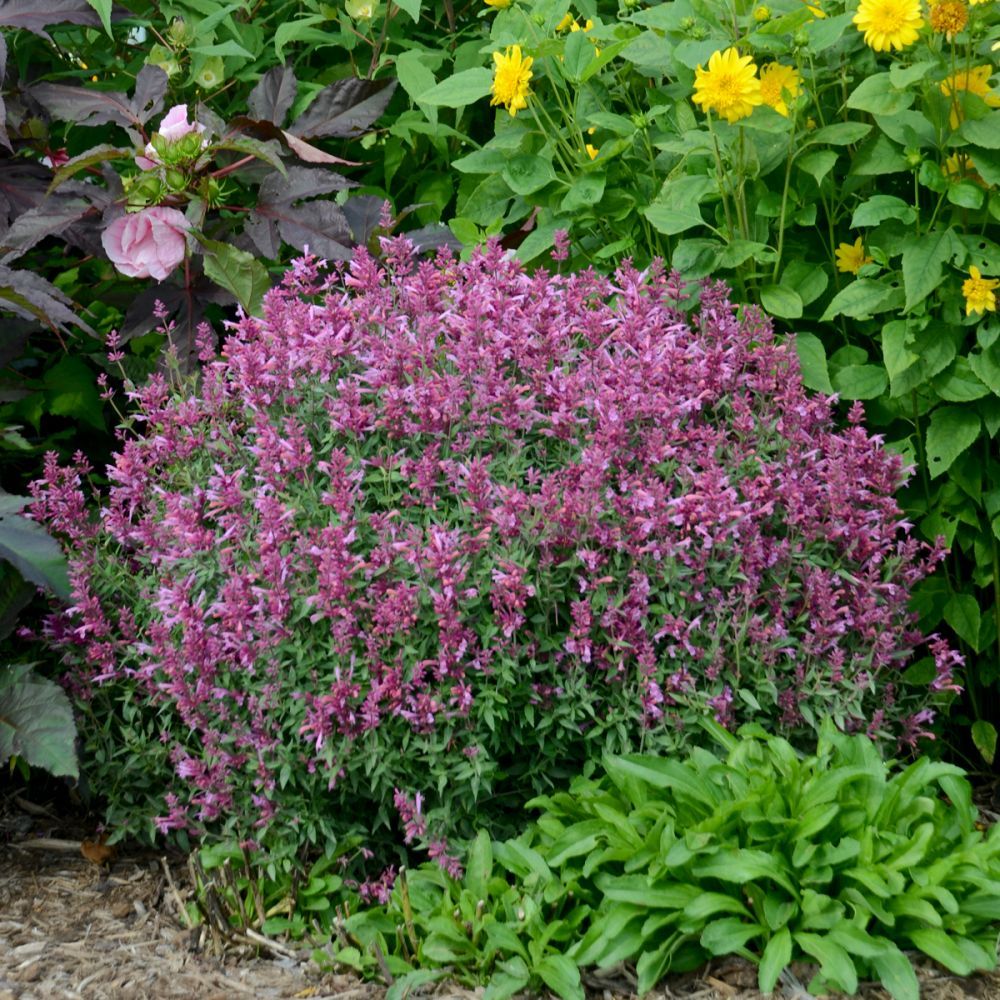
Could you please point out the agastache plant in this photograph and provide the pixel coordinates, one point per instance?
(429, 535)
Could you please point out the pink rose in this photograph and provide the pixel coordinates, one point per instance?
(175, 125)
(147, 244)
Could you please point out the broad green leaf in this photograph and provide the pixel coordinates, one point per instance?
(984, 132)
(479, 865)
(902, 365)
(876, 95)
(743, 865)
(560, 973)
(729, 935)
(923, 260)
(103, 9)
(880, 207)
(986, 366)
(637, 889)
(238, 272)
(860, 381)
(859, 300)
(466, 87)
(412, 7)
(653, 963)
(661, 772)
(29, 548)
(984, 737)
(838, 134)
(585, 192)
(526, 173)
(812, 361)
(938, 945)
(951, 430)
(818, 164)
(775, 959)
(36, 722)
(71, 391)
(959, 383)
(962, 614)
(781, 301)
(504, 938)
(836, 965)
(896, 973)
(577, 55)
(708, 904)
(224, 50)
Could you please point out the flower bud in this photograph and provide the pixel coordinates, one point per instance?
(761, 14)
(176, 181)
(179, 34)
(801, 38)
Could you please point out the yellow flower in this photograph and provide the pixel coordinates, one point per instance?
(729, 86)
(567, 23)
(978, 292)
(592, 151)
(510, 79)
(889, 24)
(974, 81)
(960, 166)
(762, 14)
(851, 257)
(949, 17)
(816, 12)
(587, 25)
(777, 82)
(499, 4)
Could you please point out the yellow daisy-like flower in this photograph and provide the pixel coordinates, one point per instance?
(974, 81)
(851, 257)
(949, 17)
(499, 4)
(959, 166)
(979, 292)
(566, 23)
(511, 74)
(889, 24)
(778, 82)
(592, 151)
(729, 86)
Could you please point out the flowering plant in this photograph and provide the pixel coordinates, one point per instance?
(836, 161)
(427, 537)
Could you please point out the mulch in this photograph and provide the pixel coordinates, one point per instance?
(73, 928)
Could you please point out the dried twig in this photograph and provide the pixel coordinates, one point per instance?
(185, 916)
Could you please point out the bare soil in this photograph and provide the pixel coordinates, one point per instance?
(72, 928)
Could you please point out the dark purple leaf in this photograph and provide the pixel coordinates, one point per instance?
(302, 149)
(28, 295)
(344, 109)
(264, 233)
(364, 214)
(84, 105)
(3, 58)
(12, 343)
(274, 94)
(301, 182)
(51, 218)
(319, 225)
(36, 15)
(90, 158)
(150, 89)
(23, 184)
(4, 139)
(432, 237)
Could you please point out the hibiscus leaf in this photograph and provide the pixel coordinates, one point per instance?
(346, 108)
(37, 15)
(85, 106)
(274, 95)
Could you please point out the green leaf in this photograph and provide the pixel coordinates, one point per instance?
(781, 301)
(923, 260)
(526, 173)
(878, 96)
(585, 191)
(662, 772)
(71, 391)
(479, 865)
(729, 935)
(560, 973)
(938, 945)
(962, 614)
(743, 865)
(951, 430)
(228, 49)
(238, 272)
(836, 965)
(577, 55)
(859, 300)
(959, 383)
(708, 904)
(775, 959)
(896, 973)
(412, 7)
(880, 207)
(466, 87)
(860, 381)
(295, 31)
(809, 280)
(986, 366)
(838, 134)
(984, 737)
(30, 549)
(36, 721)
(818, 164)
(983, 132)
(103, 9)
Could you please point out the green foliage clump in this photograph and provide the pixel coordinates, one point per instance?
(836, 859)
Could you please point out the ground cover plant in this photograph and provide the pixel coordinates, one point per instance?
(837, 162)
(429, 536)
(834, 859)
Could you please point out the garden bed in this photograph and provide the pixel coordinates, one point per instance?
(71, 928)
